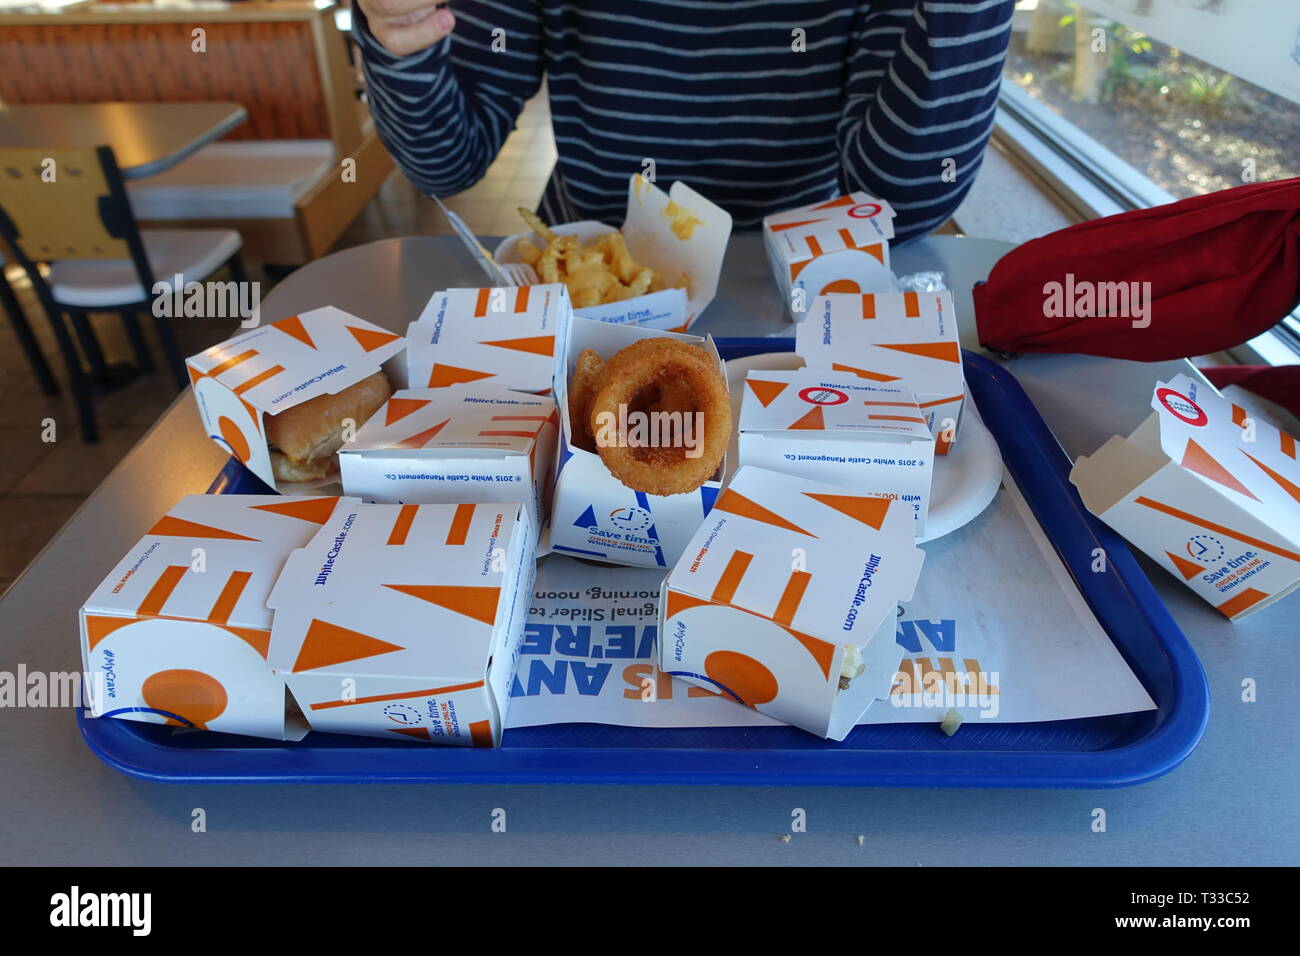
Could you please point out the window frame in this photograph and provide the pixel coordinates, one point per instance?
(1093, 182)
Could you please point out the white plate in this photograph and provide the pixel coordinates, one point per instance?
(965, 480)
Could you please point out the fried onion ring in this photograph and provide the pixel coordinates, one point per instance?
(666, 372)
(582, 389)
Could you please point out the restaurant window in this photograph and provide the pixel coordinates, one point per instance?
(1146, 101)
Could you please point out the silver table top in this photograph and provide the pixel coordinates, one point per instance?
(147, 138)
(1231, 802)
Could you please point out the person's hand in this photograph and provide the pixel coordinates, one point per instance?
(403, 27)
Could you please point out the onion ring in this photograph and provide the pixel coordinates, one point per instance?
(668, 366)
(582, 389)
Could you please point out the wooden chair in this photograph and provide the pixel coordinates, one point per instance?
(67, 209)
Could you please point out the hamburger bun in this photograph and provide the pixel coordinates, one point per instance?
(286, 469)
(305, 438)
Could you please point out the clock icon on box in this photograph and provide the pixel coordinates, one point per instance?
(1205, 548)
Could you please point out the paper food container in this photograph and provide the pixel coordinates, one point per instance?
(836, 246)
(908, 338)
(1207, 492)
(500, 336)
(593, 514)
(475, 442)
(678, 234)
(405, 620)
(266, 370)
(789, 585)
(178, 633)
(832, 427)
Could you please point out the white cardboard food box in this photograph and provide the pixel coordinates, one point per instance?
(274, 367)
(781, 580)
(501, 336)
(1207, 492)
(593, 514)
(905, 337)
(178, 632)
(837, 246)
(832, 427)
(405, 620)
(477, 442)
(649, 232)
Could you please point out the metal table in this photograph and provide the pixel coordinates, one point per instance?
(1230, 803)
(147, 138)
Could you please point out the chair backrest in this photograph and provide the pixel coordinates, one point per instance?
(62, 204)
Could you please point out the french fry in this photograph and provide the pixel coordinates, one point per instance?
(641, 284)
(602, 271)
(548, 265)
(624, 265)
(535, 223)
(529, 252)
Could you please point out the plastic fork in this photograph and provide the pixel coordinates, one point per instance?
(501, 273)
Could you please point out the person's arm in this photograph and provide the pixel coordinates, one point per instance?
(444, 110)
(923, 88)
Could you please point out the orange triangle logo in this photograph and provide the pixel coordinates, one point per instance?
(943, 351)
(315, 510)
(1188, 569)
(327, 644)
(836, 203)
(677, 601)
(1241, 602)
(863, 373)
(1287, 485)
(735, 503)
(823, 652)
(842, 287)
(371, 339)
(293, 326)
(420, 439)
(195, 374)
(172, 527)
(813, 420)
(764, 390)
(98, 628)
(253, 414)
(796, 225)
(1200, 461)
(443, 375)
(537, 344)
(259, 640)
(870, 511)
(399, 408)
(420, 733)
(476, 602)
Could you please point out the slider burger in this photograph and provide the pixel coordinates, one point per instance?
(304, 439)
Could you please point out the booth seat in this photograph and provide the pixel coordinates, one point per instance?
(277, 178)
(239, 179)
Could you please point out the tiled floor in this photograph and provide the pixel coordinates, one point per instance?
(42, 483)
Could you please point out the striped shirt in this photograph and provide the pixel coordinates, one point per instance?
(760, 105)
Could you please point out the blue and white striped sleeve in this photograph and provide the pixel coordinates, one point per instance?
(922, 90)
(443, 113)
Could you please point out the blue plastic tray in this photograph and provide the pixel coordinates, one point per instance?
(1093, 752)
